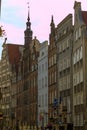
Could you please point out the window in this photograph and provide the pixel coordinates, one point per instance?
(77, 55)
(42, 100)
(79, 31)
(81, 75)
(42, 82)
(52, 59)
(49, 62)
(32, 67)
(80, 52)
(42, 54)
(42, 67)
(33, 56)
(76, 35)
(45, 81)
(46, 67)
(46, 99)
(55, 76)
(67, 43)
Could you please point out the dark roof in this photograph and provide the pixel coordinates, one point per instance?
(84, 16)
(14, 53)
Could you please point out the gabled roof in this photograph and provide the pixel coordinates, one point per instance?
(84, 16)
(14, 53)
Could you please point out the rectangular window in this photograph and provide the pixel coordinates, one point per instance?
(81, 52)
(42, 100)
(79, 31)
(42, 67)
(45, 81)
(55, 76)
(81, 75)
(46, 67)
(46, 99)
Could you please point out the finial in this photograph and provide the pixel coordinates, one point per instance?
(52, 19)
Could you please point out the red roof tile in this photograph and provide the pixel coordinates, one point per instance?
(84, 15)
(14, 53)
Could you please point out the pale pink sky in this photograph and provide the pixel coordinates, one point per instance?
(14, 16)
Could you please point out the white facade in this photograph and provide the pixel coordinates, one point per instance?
(43, 85)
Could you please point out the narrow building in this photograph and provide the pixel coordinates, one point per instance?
(64, 41)
(52, 74)
(43, 85)
(80, 68)
(10, 58)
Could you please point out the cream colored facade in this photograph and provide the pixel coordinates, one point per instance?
(64, 38)
(79, 69)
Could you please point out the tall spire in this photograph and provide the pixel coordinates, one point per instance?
(52, 25)
(28, 31)
(28, 12)
(52, 22)
(28, 19)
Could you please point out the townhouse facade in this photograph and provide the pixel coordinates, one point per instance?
(64, 41)
(43, 85)
(5, 86)
(52, 74)
(79, 67)
(8, 61)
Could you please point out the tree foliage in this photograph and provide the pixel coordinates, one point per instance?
(2, 32)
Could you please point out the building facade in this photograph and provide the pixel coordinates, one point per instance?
(52, 74)
(5, 85)
(9, 60)
(43, 85)
(64, 41)
(79, 67)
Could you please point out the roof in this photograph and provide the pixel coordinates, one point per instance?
(14, 53)
(84, 16)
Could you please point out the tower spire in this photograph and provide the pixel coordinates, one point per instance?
(28, 24)
(52, 25)
(28, 31)
(28, 12)
(52, 21)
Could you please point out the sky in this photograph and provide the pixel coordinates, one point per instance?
(14, 17)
